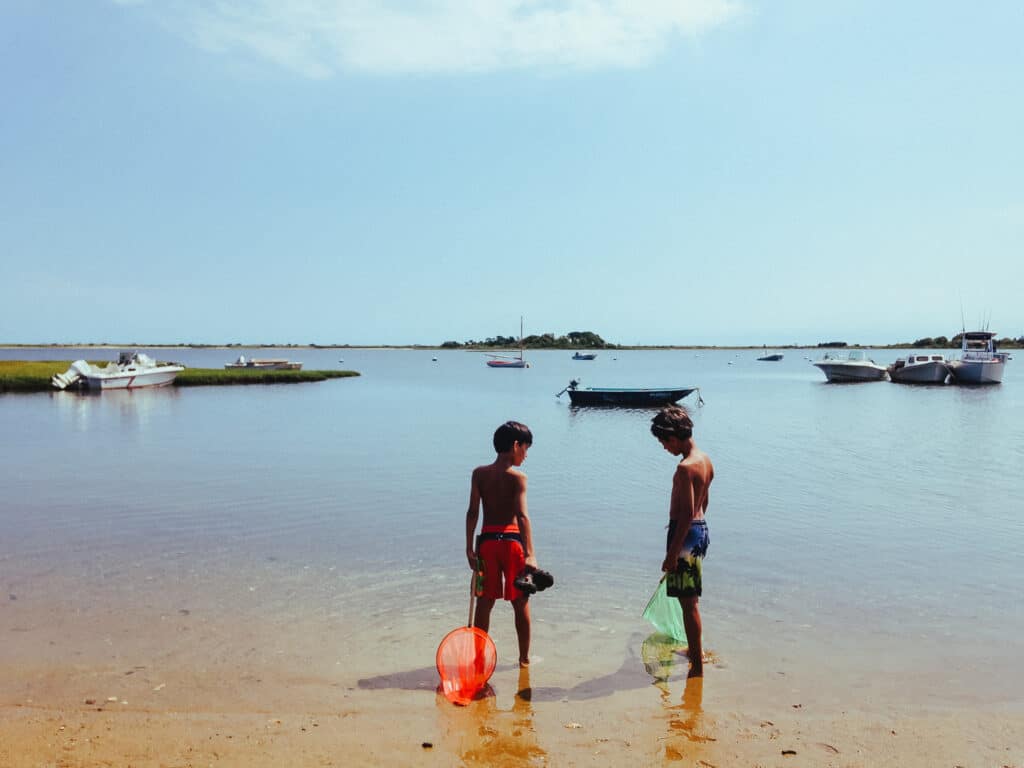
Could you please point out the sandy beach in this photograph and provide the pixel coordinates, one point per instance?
(421, 728)
(180, 690)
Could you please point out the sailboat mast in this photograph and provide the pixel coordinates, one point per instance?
(520, 337)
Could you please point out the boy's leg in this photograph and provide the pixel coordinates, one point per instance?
(521, 606)
(692, 625)
(482, 616)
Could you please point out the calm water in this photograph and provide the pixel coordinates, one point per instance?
(859, 529)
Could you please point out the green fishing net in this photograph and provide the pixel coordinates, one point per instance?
(665, 613)
(662, 656)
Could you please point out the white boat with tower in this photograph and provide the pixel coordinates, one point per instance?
(980, 362)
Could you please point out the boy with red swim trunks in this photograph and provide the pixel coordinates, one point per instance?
(505, 544)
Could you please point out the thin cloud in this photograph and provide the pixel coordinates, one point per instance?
(320, 38)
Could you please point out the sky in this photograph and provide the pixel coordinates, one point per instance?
(387, 172)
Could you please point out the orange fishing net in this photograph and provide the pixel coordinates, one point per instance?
(466, 659)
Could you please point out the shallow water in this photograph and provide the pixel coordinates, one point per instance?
(868, 532)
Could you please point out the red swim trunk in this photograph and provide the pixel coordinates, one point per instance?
(504, 559)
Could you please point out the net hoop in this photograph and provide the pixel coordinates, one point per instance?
(466, 659)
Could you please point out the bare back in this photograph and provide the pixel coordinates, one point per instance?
(502, 491)
(690, 486)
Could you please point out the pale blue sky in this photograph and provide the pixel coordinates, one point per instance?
(670, 171)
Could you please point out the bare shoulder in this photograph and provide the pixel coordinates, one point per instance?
(481, 472)
(696, 466)
(518, 476)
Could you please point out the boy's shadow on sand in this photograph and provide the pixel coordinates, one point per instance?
(634, 673)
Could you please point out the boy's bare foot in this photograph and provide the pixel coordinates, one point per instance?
(524, 663)
(696, 664)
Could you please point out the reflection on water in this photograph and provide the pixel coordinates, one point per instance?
(686, 727)
(129, 409)
(664, 657)
(481, 734)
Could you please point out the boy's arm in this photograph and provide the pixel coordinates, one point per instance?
(472, 515)
(680, 510)
(525, 529)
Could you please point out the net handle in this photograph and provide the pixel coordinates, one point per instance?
(472, 594)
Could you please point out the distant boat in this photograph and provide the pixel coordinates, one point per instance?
(265, 364)
(584, 356)
(625, 397)
(767, 357)
(979, 361)
(506, 361)
(920, 369)
(857, 366)
(133, 370)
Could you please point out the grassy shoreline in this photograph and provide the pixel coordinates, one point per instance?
(484, 348)
(34, 375)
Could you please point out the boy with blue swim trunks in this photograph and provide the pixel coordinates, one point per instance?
(687, 531)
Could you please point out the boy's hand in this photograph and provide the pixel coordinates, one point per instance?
(669, 564)
(471, 556)
(531, 562)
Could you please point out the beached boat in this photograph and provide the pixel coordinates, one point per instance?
(636, 398)
(584, 356)
(507, 361)
(857, 366)
(979, 361)
(919, 369)
(264, 364)
(133, 370)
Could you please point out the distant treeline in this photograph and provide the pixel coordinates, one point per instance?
(573, 339)
(941, 342)
(935, 342)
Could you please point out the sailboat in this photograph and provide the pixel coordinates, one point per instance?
(507, 361)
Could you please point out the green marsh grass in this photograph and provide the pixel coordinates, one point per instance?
(204, 377)
(34, 376)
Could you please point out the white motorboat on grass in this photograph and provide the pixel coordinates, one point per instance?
(857, 366)
(133, 370)
(920, 369)
(979, 361)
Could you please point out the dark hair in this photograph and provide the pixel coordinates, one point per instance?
(511, 432)
(672, 421)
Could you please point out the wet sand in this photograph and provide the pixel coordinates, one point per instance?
(252, 712)
(134, 678)
(160, 671)
(420, 728)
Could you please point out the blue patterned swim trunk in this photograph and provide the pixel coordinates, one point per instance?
(685, 580)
